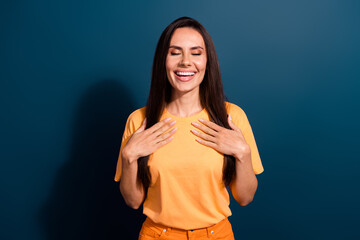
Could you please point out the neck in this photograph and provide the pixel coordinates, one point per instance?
(184, 104)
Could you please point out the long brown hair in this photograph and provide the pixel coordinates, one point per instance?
(212, 96)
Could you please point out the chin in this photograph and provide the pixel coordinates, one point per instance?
(185, 90)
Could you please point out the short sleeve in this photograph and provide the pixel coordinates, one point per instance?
(133, 122)
(241, 121)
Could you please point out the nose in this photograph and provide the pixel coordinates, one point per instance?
(185, 60)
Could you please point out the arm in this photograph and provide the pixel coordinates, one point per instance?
(141, 143)
(231, 142)
(131, 188)
(244, 185)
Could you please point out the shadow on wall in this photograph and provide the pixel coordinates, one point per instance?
(85, 202)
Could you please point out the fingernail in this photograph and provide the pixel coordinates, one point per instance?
(201, 120)
(174, 129)
(172, 123)
(195, 123)
(167, 119)
(194, 131)
(230, 117)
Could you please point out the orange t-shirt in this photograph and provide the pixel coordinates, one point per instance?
(186, 189)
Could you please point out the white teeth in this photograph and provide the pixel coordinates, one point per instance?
(185, 73)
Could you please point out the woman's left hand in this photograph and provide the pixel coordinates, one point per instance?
(226, 141)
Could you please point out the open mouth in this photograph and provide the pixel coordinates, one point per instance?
(184, 76)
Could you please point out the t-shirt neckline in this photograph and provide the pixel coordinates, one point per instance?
(192, 117)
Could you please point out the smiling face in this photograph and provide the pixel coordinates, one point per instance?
(186, 61)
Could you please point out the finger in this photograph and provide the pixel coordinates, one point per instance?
(166, 141)
(231, 124)
(204, 128)
(204, 136)
(210, 124)
(234, 127)
(158, 125)
(206, 143)
(164, 128)
(166, 135)
(142, 127)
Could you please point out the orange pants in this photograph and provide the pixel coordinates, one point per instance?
(220, 231)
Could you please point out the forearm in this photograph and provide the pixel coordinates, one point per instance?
(245, 183)
(130, 187)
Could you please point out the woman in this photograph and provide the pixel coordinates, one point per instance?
(180, 152)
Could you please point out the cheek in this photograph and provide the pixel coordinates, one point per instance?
(170, 63)
(201, 64)
(168, 67)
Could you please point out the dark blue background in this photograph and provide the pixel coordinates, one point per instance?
(72, 71)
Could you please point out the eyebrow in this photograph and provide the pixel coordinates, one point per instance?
(177, 47)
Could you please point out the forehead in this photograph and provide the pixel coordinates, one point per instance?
(187, 37)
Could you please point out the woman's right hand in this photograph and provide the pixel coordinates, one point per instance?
(145, 142)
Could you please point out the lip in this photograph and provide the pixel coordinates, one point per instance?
(184, 79)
